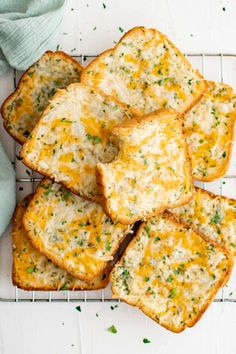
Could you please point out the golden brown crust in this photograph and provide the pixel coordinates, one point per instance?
(16, 279)
(49, 255)
(102, 182)
(142, 28)
(147, 311)
(35, 167)
(12, 96)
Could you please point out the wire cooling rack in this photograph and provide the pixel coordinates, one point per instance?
(217, 67)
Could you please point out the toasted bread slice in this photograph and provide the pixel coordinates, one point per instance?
(213, 215)
(170, 272)
(72, 232)
(146, 71)
(209, 128)
(22, 109)
(31, 270)
(72, 136)
(152, 171)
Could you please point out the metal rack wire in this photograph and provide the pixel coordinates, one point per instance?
(8, 293)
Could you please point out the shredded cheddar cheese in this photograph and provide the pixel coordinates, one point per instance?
(170, 272)
(33, 271)
(72, 232)
(213, 215)
(23, 108)
(147, 72)
(209, 131)
(73, 135)
(151, 171)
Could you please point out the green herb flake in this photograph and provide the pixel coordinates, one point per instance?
(78, 308)
(95, 139)
(146, 279)
(147, 229)
(224, 154)
(146, 341)
(113, 307)
(104, 6)
(108, 246)
(112, 329)
(31, 269)
(172, 293)
(215, 219)
(31, 73)
(169, 279)
(121, 29)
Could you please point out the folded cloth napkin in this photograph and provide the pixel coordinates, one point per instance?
(7, 190)
(27, 29)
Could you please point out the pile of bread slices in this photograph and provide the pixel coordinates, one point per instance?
(120, 142)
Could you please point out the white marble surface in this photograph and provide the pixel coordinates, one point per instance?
(90, 27)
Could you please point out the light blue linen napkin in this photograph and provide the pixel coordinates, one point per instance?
(7, 190)
(27, 29)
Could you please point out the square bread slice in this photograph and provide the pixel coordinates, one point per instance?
(213, 215)
(31, 270)
(22, 109)
(170, 272)
(209, 129)
(72, 136)
(152, 170)
(146, 71)
(72, 232)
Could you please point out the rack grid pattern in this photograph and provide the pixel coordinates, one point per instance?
(212, 65)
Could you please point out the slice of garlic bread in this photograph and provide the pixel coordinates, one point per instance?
(170, 272)
(213, 215)
(72, 136)
(31, 270)
(151, 172)
(22, 109)
(209, 128)
(146, 71)
(72, 232)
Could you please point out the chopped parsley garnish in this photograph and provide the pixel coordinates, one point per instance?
(108, 246)
(224, 154)
(172, 293)
(112, 329)
(31, 73)
(104, 5)
(216, 218)
(146, 279)
(147, 229)
(95, 139)
(31, 269)
(78, 308)
(113, 307)
(169, 279)
(48, 191)
(145, 340)
(121, 29)
(65, 195)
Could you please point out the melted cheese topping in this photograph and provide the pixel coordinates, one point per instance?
(150, 172)
(147, 72)
(32, 270)
(209, 131)
(37, 86)
(214, 216)
(72, 232)
(170, 272)
(73, 136)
